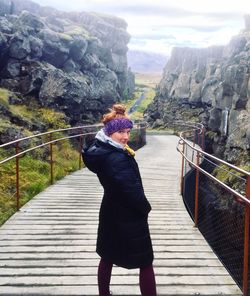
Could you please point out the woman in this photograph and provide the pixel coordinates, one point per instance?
(123, 233)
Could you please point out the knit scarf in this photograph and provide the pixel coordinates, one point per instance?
(106, 139)
(129, 150)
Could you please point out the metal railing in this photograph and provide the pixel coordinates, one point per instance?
(49, 139)
(191, 147)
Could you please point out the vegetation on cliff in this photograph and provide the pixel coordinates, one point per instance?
(17, 121)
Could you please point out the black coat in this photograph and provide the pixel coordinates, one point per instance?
(123, 233)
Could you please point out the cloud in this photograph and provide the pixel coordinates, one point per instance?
(159, 25)
(149, 10)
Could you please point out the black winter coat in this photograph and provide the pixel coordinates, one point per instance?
(123, 233)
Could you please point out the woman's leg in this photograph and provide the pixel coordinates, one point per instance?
(147, 281)
(104, 276)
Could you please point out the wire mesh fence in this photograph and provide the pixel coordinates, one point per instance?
(219, 209)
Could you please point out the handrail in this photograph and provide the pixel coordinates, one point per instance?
(18, 153)
(242, 197)
(213, 157)
(183, 143)
(49, 132)
(41, 145)
(200, 152)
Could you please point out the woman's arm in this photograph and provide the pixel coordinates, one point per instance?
(125, 180)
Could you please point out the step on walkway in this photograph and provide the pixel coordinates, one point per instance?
(48, 247)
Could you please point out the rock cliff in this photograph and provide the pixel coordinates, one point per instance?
(74, 62)
(209, 85)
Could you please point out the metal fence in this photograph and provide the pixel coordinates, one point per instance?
(79, 136)
(221, 210)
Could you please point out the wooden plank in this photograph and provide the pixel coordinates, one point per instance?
(48, 247)
(116, 280)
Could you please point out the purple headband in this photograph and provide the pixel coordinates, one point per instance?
(116, 125)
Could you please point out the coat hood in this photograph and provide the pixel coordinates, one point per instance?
(95, 155)
(106, 139)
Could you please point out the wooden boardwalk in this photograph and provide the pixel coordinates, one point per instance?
(48, 247)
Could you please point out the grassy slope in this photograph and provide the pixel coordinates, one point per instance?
(34, 166)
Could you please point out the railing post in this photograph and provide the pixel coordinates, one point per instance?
(194, 142)
(182, 168)
(51, 159)
(80, 151)
(196, 209)
(203, 139)
(246, 241)
(17, 178)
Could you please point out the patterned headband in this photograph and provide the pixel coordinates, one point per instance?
(116, 125)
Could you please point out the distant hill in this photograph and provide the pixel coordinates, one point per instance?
(146, 62)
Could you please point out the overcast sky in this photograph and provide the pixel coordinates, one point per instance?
(158, 25)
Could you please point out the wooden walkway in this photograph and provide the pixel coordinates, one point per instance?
(48, 248)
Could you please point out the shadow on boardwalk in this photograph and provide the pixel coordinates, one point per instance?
(48, 247)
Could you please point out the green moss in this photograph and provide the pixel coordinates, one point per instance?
(74, 30)
(231, 177)
(6, 127)
(210, 134)
(52, 118)
(4, 123)
(65, 37)
(246, 168)
(22, 111)
(4, 95)
(244, 160)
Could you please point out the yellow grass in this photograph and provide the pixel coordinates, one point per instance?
(149, 80)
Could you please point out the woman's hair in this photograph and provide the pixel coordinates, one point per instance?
(116, 120)
(117, 111)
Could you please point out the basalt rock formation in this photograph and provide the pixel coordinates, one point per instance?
(212, 86)
(73, 62)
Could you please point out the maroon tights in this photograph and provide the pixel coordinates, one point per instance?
(147, 279)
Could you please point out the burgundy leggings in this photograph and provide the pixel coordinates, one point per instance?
(147, 279)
